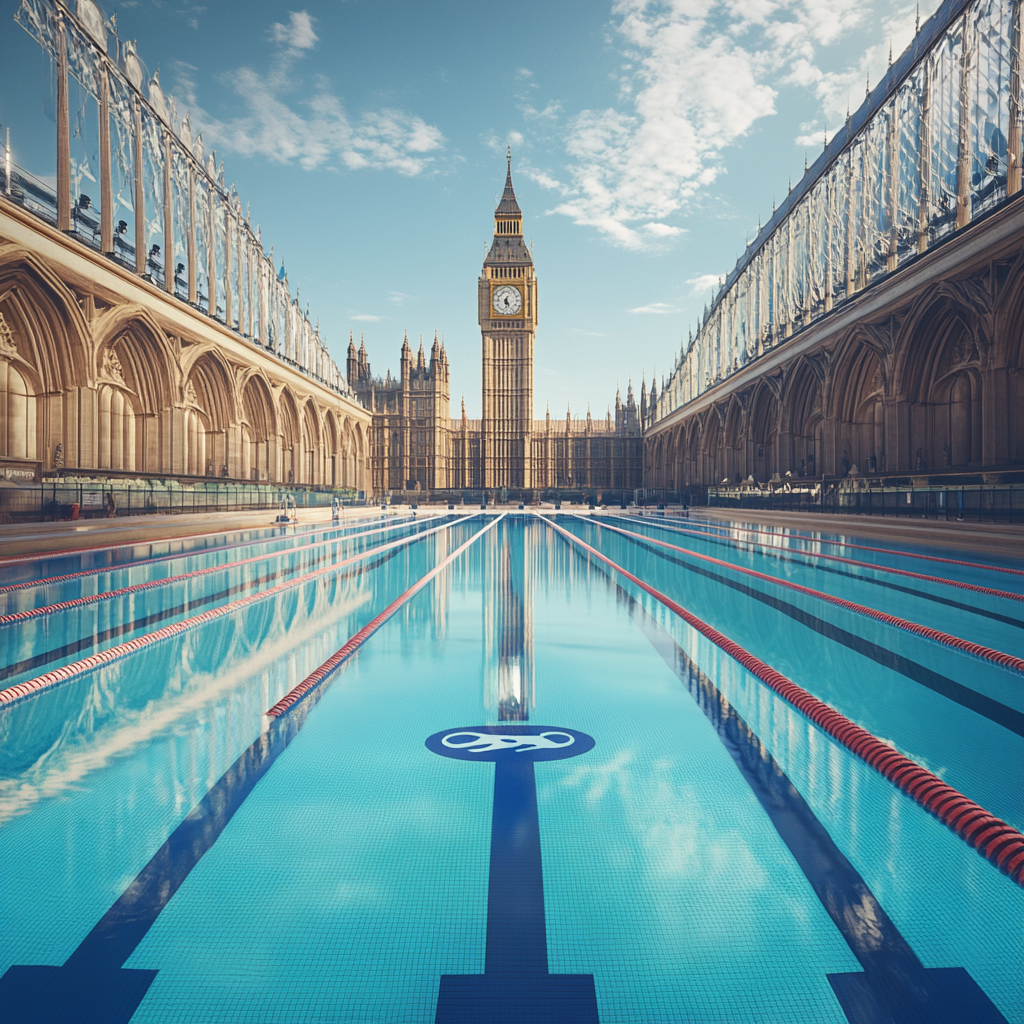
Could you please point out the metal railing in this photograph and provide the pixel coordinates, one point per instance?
(991, 503)
(56, 499)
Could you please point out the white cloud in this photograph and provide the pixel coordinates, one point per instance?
(549, 113)
(316, 131)
(498, 144)
(368, 317)
(696, 76)
(655, 307)
(691, 91)
(662, 230)
(703, 282)
(542, 178)
(399, 297)
(298, 34)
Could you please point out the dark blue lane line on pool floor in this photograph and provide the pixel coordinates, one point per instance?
(894, 988)
(92, 987)
(515, 985)
(1009, 620)
(126, 628)
(1009, 718)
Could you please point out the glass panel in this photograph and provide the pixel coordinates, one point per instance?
(181, 218)
(990, 81)
(122, 170)
(908, 169)
(153, 193)
(202, 215)
(219, 243)
(944, 129)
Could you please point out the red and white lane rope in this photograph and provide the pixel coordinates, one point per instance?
(711, 525)
(999, 843)
(771, 549)
(48, 580)
(79, 602)
(58, 676)
(38, 556)
(314, 679)
(998, 657)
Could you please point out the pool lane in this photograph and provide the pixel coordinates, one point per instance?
(36, 588)
(942, 605)
(898, 686)
(355, 874)
(95, 622)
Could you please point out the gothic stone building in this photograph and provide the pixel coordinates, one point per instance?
(415, 444)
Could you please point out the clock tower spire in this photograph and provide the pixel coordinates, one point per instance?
(507, 313)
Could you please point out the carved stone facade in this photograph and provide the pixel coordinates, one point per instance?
(921, 375)
(416, 446)
(103, 372)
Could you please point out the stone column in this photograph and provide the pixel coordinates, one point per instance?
(995, 417)
(140, 195)
(168, 218)
(925, 159)
(1013, 135)
(106, 188)
(192, 269)
(229, 234)
(63, 130)
(894, 182)
(175, 421)
(963, 153)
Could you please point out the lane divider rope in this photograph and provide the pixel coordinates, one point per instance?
(771, 549)
(998, 657)
(67, 577)
(998, 842)
(58, 676)
(78, 602)
(710, 524)
(38, 556)
(336, 660)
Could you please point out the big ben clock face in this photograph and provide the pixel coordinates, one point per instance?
(507, 300)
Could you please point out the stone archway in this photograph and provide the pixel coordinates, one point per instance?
(311, 445)
(800, 440)
(135, 375)
(259, 429)
(941, 378)
(763, 419)
(209, 411)
(291, 438)
(43, 355)
(859, 407)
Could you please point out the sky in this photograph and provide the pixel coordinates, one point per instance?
(650, 138)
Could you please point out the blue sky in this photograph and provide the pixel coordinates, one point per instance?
(369, 136)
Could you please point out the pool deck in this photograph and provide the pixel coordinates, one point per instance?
(30, 538)
(984, 538)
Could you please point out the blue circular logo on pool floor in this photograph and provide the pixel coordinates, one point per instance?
(510, 743)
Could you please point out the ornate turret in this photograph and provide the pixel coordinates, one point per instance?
(508, 246)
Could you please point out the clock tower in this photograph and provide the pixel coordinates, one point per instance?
(507, 312)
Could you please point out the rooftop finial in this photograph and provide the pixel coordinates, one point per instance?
(917, 20)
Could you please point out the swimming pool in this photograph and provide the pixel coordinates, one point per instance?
(664, 834)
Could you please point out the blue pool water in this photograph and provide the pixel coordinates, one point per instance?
(713, 857)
